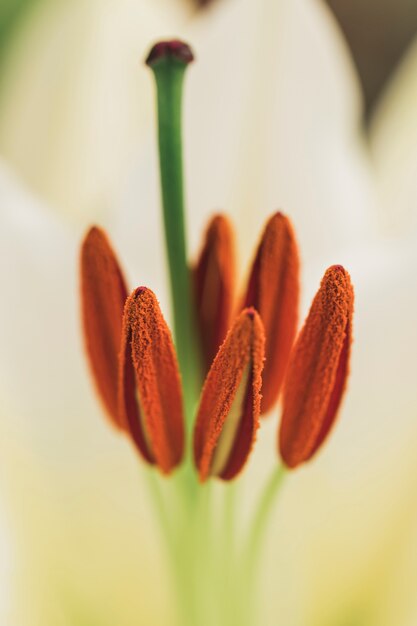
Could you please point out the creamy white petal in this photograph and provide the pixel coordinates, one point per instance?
(273, 121)
(7, 564)
(74, 103)
(394, 148)
(73, 485)
(304, 121)
(272, 114)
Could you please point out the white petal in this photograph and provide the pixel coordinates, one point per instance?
(75, 99)
(273, 121)
(394, 147)
(288, 136)
(72, 484)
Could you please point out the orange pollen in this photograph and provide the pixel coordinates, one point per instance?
(228, 415)
(214, 279)
(103, 295)
(318, 369)
(273, 290)
(150, 398)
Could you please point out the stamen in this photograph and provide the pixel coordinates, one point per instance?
(214, 278)
(103, 295)
(318, 370)
(155, 416)
(273, 290)
(228, 416)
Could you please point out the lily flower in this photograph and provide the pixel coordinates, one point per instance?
(313, 162)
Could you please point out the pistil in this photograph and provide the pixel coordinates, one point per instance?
(169, 60)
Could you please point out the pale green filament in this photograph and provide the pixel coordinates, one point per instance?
(256, 536)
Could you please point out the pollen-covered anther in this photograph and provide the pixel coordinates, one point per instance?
(213, 282)
(150, 398)
(103, 295)
(318, 369)
(273, 289)
(228, 415)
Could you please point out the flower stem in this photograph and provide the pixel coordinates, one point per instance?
(168, 61)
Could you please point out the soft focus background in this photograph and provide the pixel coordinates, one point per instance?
(301, 105)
